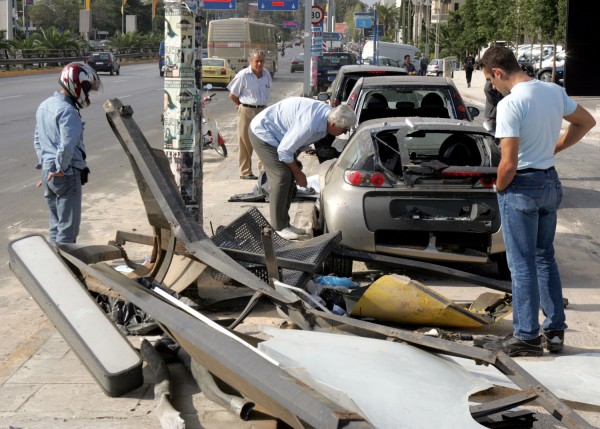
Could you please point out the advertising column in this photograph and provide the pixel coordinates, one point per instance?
(179, 93)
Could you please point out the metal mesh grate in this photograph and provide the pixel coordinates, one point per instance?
(244, 233)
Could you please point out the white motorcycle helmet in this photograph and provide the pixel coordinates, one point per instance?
(78, 79)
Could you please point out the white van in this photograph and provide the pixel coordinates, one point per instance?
(395, 51)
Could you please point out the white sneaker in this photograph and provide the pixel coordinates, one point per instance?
(298, 231)
(288, 234)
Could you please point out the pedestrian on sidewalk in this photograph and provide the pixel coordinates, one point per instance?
(529, 191)
(408, 66)
(423, 63)
(278, 134)
(469, 67)
(58, 143)
(492, 98)
(249, 90)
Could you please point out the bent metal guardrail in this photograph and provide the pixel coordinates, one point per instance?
(41, 60)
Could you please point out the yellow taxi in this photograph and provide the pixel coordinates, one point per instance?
(217, 71)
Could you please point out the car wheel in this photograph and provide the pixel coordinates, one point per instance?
(112, 71)
(292, 71)
(546, 76)
(118, 71)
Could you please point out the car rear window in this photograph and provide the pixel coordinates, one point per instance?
(212, 62)
(101, 57)
(335, 60)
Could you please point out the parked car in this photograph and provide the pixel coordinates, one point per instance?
(297, 63)
(406, 96)
(346, 78)
(419, 188)
(436, 67)
(217, 71)
(328, 65)
(545, 72)
(105, 62)
(401, 96)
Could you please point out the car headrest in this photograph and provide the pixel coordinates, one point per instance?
(432, 100)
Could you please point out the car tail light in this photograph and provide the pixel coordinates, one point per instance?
(352, 100)
(223, 72)
(373, 179)
(485, 180)
(294, 62)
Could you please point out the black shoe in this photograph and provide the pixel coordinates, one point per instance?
(553, 341)
(249, 177)
(515, 347)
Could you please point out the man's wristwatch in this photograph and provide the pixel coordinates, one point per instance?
(496, 188)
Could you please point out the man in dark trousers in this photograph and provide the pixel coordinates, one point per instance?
(469, 67)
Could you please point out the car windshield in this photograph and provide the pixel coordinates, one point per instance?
(405, 101)
(334, 60)
(213, 62)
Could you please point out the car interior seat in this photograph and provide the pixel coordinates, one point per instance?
(460, 149)
(405, 108)
(432, 106)
(375, 107)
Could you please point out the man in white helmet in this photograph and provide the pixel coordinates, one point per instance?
(58, 142)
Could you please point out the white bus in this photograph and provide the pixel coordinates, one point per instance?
(234, 38)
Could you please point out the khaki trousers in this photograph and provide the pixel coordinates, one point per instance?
(244, 117)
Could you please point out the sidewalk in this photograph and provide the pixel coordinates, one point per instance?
(475, 96)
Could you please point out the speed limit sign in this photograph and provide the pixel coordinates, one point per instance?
(317, 15)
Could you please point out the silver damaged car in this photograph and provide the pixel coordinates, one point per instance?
(419, 188)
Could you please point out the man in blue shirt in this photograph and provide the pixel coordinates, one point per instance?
(278, 134)
(58, 142)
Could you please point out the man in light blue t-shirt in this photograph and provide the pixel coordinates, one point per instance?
(528, 123)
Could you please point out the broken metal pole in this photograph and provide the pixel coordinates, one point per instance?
(237, 405)
(168, 416)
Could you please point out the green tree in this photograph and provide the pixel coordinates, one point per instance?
(53, 38)
(106, 15)
(62, 14)
(387, 15)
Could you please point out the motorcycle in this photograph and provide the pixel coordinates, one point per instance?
(211, 137)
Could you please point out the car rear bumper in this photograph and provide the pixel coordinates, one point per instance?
(453, 228)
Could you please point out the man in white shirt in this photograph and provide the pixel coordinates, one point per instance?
(249, 90)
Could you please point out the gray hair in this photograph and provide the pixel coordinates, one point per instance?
(256, 53)
(343, 116)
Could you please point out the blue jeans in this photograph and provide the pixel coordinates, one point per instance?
(528, 210)
(63, 196)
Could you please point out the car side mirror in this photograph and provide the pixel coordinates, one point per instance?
(473, 111)
(323, 96)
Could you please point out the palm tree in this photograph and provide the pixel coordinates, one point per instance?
(387, 16)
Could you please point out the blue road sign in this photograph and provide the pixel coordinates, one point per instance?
(333, 37)
(363, 20)
(275, 5)
(219, 5)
